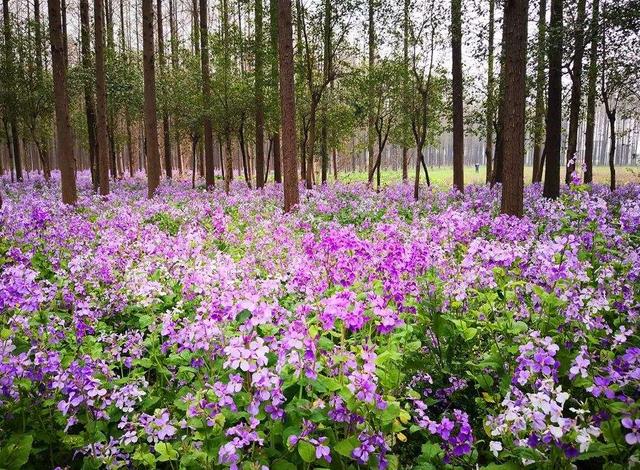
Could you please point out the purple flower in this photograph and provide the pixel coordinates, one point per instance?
(633, 425)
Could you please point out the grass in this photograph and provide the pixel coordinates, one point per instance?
(443, 176)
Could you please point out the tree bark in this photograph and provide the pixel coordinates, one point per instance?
(611, 115)
(150, 118)
(515, 33)
(10, 86)
(554, 103)
(66, 160)
(456, 72)
(576, 91)
(273, 12)
(102, 143)
(287, 105)
(370, 117)
(206, 93)
(311, 144)
(405, 59)
(538, 120)
(326, 72)
(166, 131)
(490, 107)
(259, 92)
(591, 93)
(90, 111)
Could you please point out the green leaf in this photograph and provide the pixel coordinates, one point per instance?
(430, 451)
(501, 466)
(307, 451)
(281, 464)
(470, 333)
(166, 451)
(16, 452)
(391, 412)
(345, 447)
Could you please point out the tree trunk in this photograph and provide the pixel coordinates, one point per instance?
(591, 93)
(371, 118)
(490, 107)
(259, 92)
(326, 72)
(287, 105)
(416, 186)
(611, 115)
(554, 104)
(43, 154)
(150, 118)
(405, 58)
(515, 33)
(102, 143)
(166, 131)
(311, 144)
(129, 145)
(538, 120)
(66, 160)
(206, 93)
(273, 13)
(458, 118)
(243, 153)
(576, 91)
(85, 36)
(10, 89)
(194, 147)
(228, 175)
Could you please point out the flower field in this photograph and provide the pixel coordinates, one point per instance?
(366, 330)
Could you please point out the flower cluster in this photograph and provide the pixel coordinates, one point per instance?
(365, 329)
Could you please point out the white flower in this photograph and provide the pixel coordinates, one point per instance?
(495, 447)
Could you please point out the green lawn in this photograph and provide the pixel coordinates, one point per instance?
(443, 176)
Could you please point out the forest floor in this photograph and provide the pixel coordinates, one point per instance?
(364, 330)
(443, 176)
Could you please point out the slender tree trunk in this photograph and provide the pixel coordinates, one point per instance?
(335, 164)
(515, 93)
(206, 93)
(287, 105)
(166, 131)
(591, 92)
(194, 147)
(311, 144)
(10, 89)
(150, 118)
(554, 104)
(458, 118)
(538, 120)
(43, 154)
(576, 91)
(228, 175)
(102, 143)
(243, 153)
(129, 145)
(372, 51)
(259, 92)
(273, 12)
(85, 36)
(416, 185)
(66, 160)
(490, 107)
(173, 26)
(326, 72)
(611, 115)
(405, 58)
